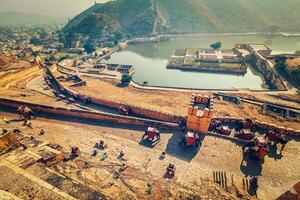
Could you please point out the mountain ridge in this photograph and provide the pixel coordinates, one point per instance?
(149, 17)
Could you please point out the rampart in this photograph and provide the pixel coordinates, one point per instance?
(153, 114)
(258, 55)
(88, 114)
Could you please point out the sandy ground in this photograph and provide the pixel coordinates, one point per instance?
(10, 62)
(28, 86)
(157, 100)
(176, 102)
(276, 175)
(294, 62)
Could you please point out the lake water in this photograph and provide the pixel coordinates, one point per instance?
(150, 62)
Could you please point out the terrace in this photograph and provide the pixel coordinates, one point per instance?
(211, 60)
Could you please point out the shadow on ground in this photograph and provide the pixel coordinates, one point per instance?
(93, 122)
(149, 144)
(250, 166)
(186, 153)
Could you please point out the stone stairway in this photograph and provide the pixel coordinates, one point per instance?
(22, 159)
(21, 183)
(71, 187)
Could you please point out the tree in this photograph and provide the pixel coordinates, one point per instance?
(89, 48)
(118, 36)
(125, 80)
(297, 52)
(35, 41)
(216, 45)
(35, 53)
(280, 65)
(296, 72)
(50, 59)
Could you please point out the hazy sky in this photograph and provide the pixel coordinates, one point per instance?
(55, 8)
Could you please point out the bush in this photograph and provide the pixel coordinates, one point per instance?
(281, 66)
(125, 80)
(89, 48)
(35, 41)
(296, 72)
(35, 53)
(216, 45)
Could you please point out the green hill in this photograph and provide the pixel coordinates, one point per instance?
(16, 18)
(148, 17)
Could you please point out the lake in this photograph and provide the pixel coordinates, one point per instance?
(149, 61)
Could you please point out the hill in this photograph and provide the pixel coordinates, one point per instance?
(147, 17)
(16, 18)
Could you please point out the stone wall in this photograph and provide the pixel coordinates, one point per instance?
(88, 114)
(263, 65)
(267, 126)
(153, 114)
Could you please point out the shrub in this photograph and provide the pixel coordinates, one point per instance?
(125, 80)
(216, 45)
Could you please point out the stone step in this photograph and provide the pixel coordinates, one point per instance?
(68, 185)
(21, 180)
(22, 159)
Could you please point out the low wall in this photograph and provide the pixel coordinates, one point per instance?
(88, 114)
(153, 114)
(265, 68)
(164, 88)
(134, 109)
(212, 69)
(269, 127)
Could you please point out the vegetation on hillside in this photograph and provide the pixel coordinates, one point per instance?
(290, 73)
(89, 48)
(135, 18)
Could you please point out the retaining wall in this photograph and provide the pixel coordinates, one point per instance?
(288, 131)
(88, 114)
(266, 70)
(153, 114)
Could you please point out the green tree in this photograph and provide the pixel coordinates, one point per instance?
(125, 80)
(298, 51)
(280, 65)
(216, 45)
(296, 72)
(35, 41)
(35, 53)
(118, 36)
(89, 48)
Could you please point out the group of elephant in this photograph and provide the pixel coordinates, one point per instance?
(25, 112)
